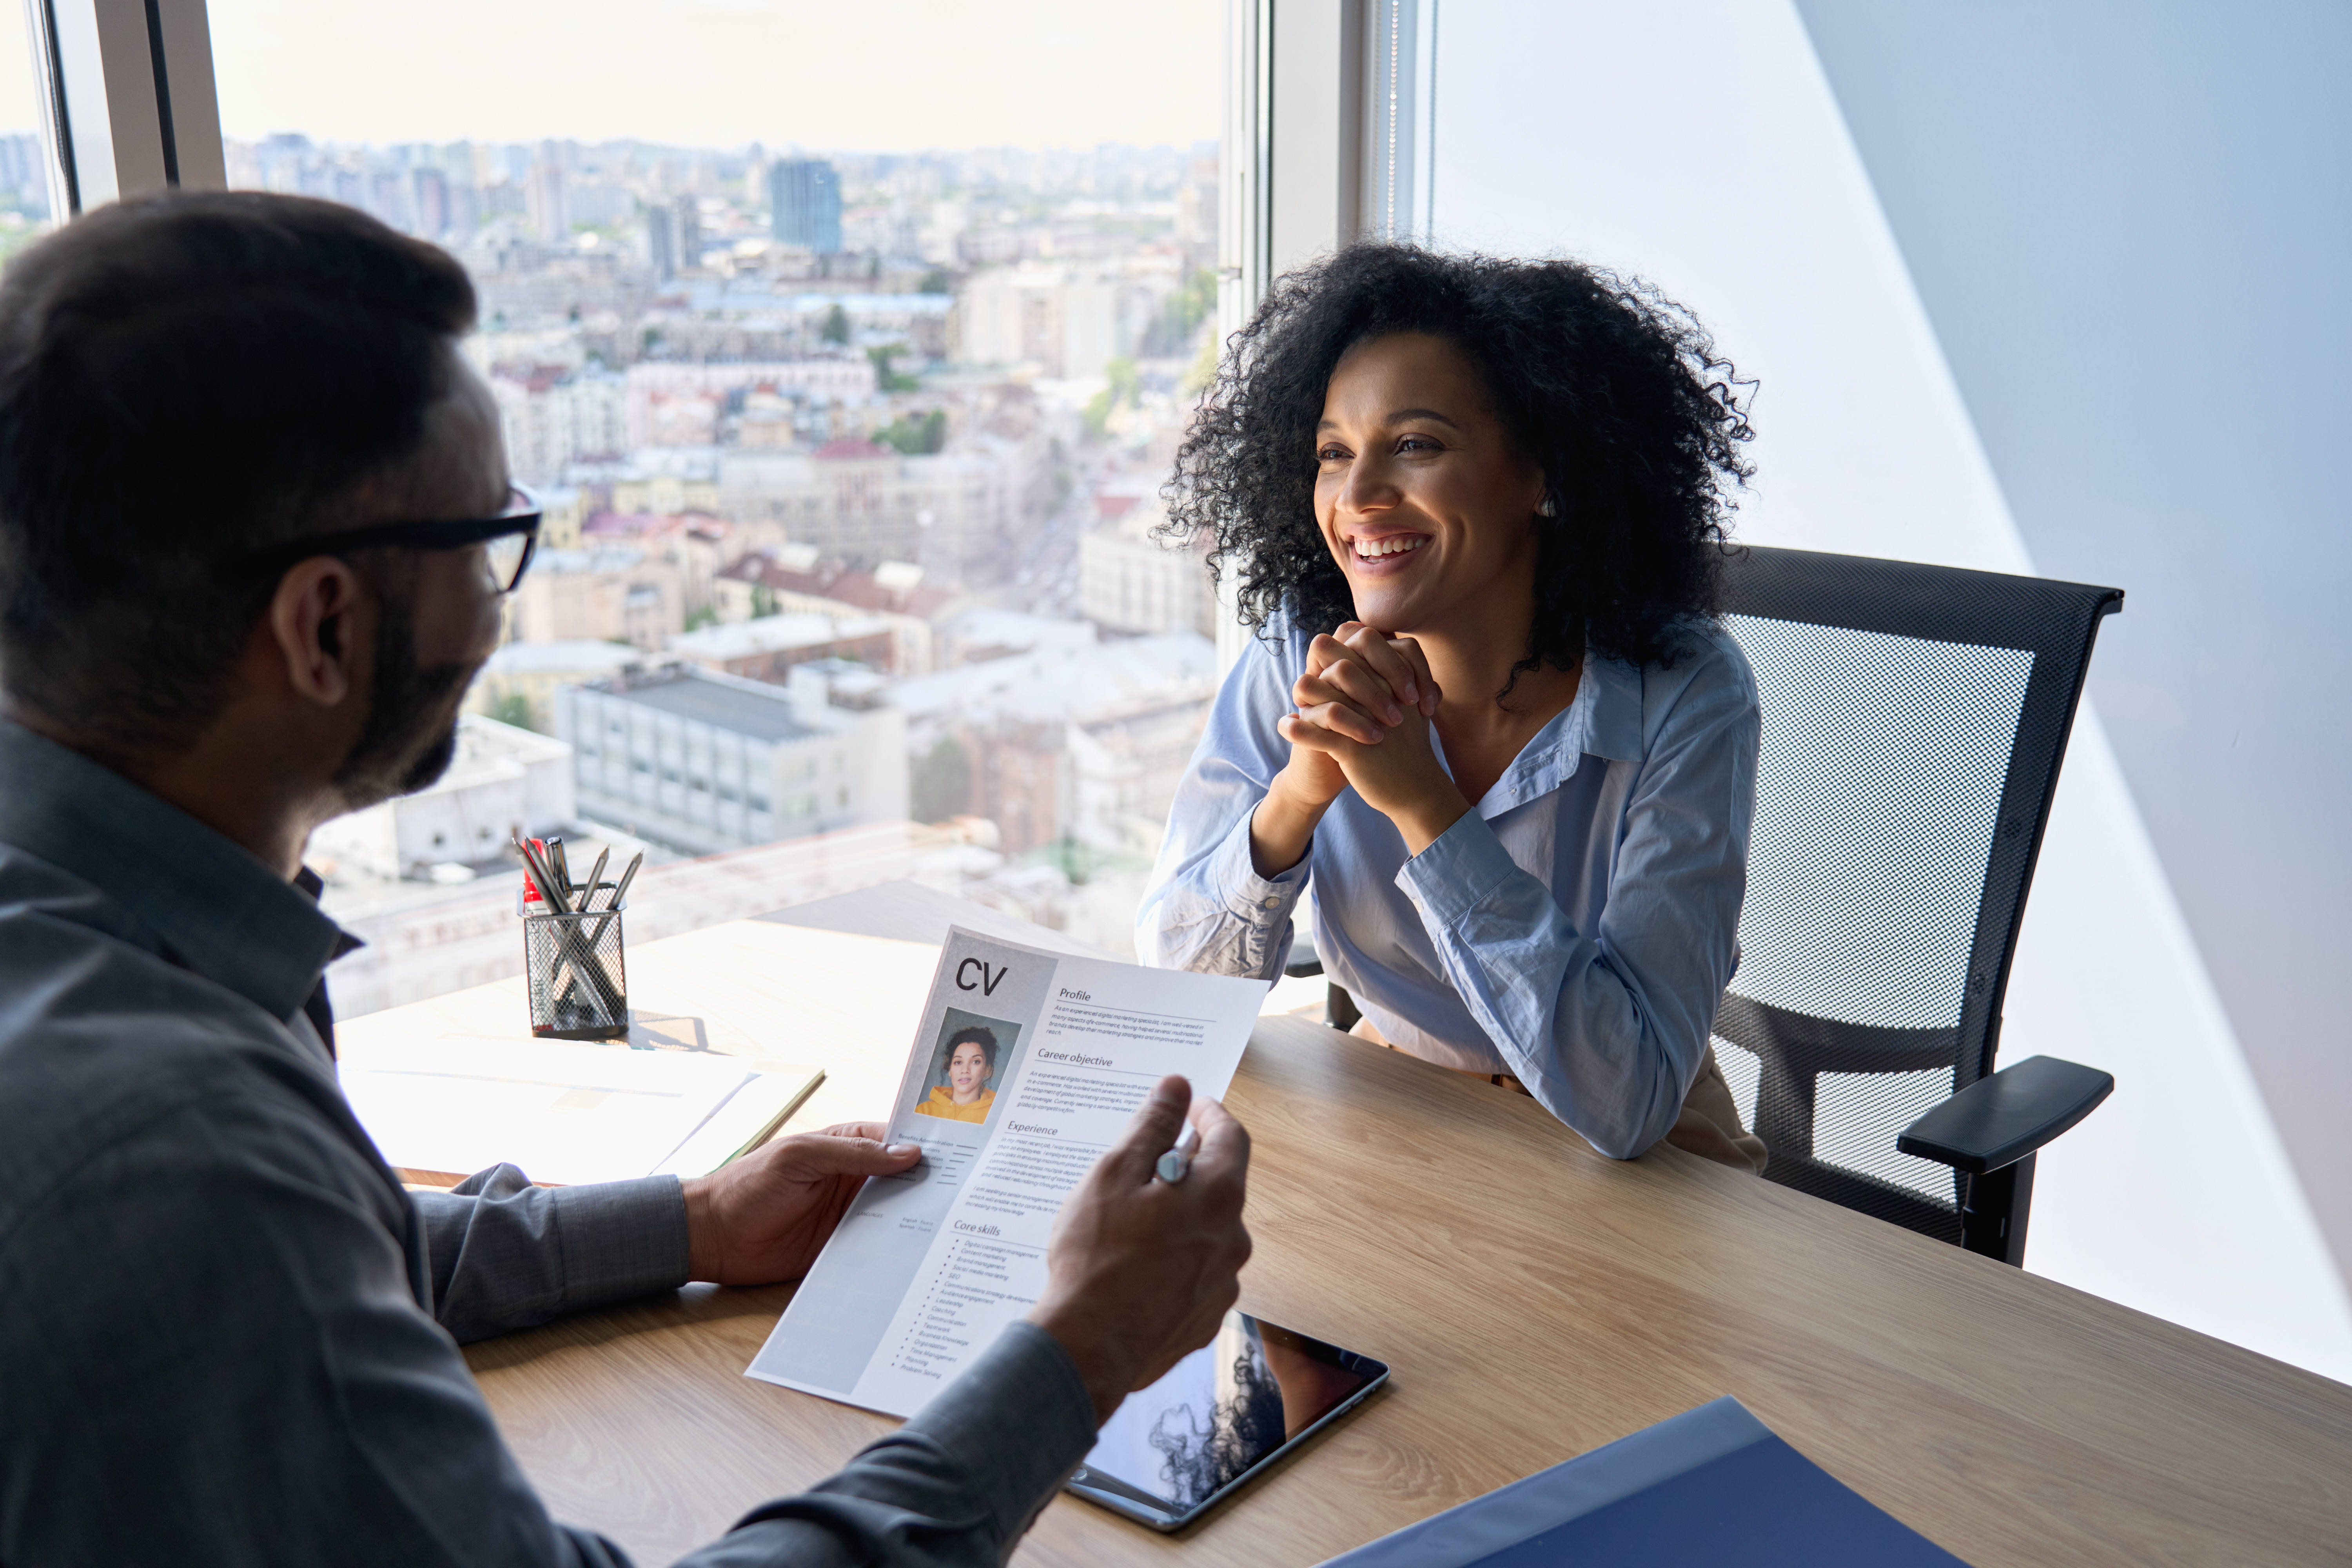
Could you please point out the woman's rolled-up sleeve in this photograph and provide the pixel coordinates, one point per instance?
(1607, 1028)
(1207, 909)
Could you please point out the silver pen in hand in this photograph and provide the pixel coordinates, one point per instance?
(1177, 1164)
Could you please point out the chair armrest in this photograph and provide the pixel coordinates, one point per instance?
(1998, 1120)
(1302, 964)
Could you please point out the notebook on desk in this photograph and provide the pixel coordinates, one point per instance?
(1711, 1488)
(440, 1109)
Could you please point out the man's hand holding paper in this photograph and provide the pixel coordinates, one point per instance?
(1041, 1204)
(763, 1219)
(1142, 1272)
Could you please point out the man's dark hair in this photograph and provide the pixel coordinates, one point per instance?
(1615, 391)
(974, 1035)
(182, 379)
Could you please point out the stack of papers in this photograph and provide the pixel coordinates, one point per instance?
(440, 1109)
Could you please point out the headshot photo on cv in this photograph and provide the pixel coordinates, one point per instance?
(961, 1085)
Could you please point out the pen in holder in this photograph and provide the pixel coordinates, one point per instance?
(579, 985)
(571, 950)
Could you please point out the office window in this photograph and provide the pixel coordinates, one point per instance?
(901, 355)
(23, 166)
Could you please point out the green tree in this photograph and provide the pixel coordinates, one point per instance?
(836, 326)
(885, 375)
(1203, 369)
(1126, 382)
(941, 786)
(513, 709)
(764, 601)
(917, 434)
(936, 282)
(705, 616)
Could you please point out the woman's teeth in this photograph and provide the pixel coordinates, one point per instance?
(1396, 545)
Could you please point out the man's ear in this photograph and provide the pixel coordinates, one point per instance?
(312, 623)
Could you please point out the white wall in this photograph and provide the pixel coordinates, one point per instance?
(1696, 142)
(2087, 196)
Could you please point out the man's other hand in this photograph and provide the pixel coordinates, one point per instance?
(763, 1218)
(1142, 1272)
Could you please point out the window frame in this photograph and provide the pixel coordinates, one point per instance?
(128, 104)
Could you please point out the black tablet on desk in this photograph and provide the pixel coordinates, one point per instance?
(1220, 1416)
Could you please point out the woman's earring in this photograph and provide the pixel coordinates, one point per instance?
(1547, 507)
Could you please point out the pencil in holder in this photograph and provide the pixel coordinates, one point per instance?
(579, 984)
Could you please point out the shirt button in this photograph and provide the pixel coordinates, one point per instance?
(1273, 903)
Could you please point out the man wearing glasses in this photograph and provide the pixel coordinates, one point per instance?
(255, 525)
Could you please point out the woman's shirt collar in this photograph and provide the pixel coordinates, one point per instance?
(1603, 719)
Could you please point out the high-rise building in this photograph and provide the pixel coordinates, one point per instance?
(544, 201)
(661, 242)
(688, 209)
(805, 196)
(429, 200)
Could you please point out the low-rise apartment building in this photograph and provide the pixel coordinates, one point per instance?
(1130, 580)
(791, 578)
(604, 593)
(711, 761)
(1075, 742)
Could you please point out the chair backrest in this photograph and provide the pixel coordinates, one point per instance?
(1914, 721)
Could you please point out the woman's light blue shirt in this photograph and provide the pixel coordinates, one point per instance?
(1576, 929)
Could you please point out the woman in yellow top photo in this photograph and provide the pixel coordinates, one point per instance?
(971, 1063)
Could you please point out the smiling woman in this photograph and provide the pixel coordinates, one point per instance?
(1474, 508)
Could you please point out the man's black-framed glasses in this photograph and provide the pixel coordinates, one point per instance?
(508, 541)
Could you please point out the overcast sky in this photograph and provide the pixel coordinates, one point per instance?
(879, 75)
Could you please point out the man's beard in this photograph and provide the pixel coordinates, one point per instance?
(410, 734)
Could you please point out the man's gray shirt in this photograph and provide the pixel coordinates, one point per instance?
(228, 1335)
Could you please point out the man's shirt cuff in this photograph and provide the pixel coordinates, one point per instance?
(1017, 1422)
(620, 1239)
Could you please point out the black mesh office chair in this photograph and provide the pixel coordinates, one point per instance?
(1914, 721)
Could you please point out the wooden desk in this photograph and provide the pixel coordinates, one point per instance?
(1536, 1301)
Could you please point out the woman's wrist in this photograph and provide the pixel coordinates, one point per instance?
(1282, 826)
(1423, 822)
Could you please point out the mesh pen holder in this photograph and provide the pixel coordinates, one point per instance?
(579, 985)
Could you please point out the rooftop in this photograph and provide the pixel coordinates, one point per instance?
(773, 633)
(744, 707)
(1067, 681)
(894, 586)
(986, 626)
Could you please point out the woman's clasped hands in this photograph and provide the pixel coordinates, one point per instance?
(1365, 720)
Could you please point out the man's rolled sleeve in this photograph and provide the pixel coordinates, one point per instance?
(506, 1255)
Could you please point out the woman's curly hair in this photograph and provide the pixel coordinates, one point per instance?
(1614, 389)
